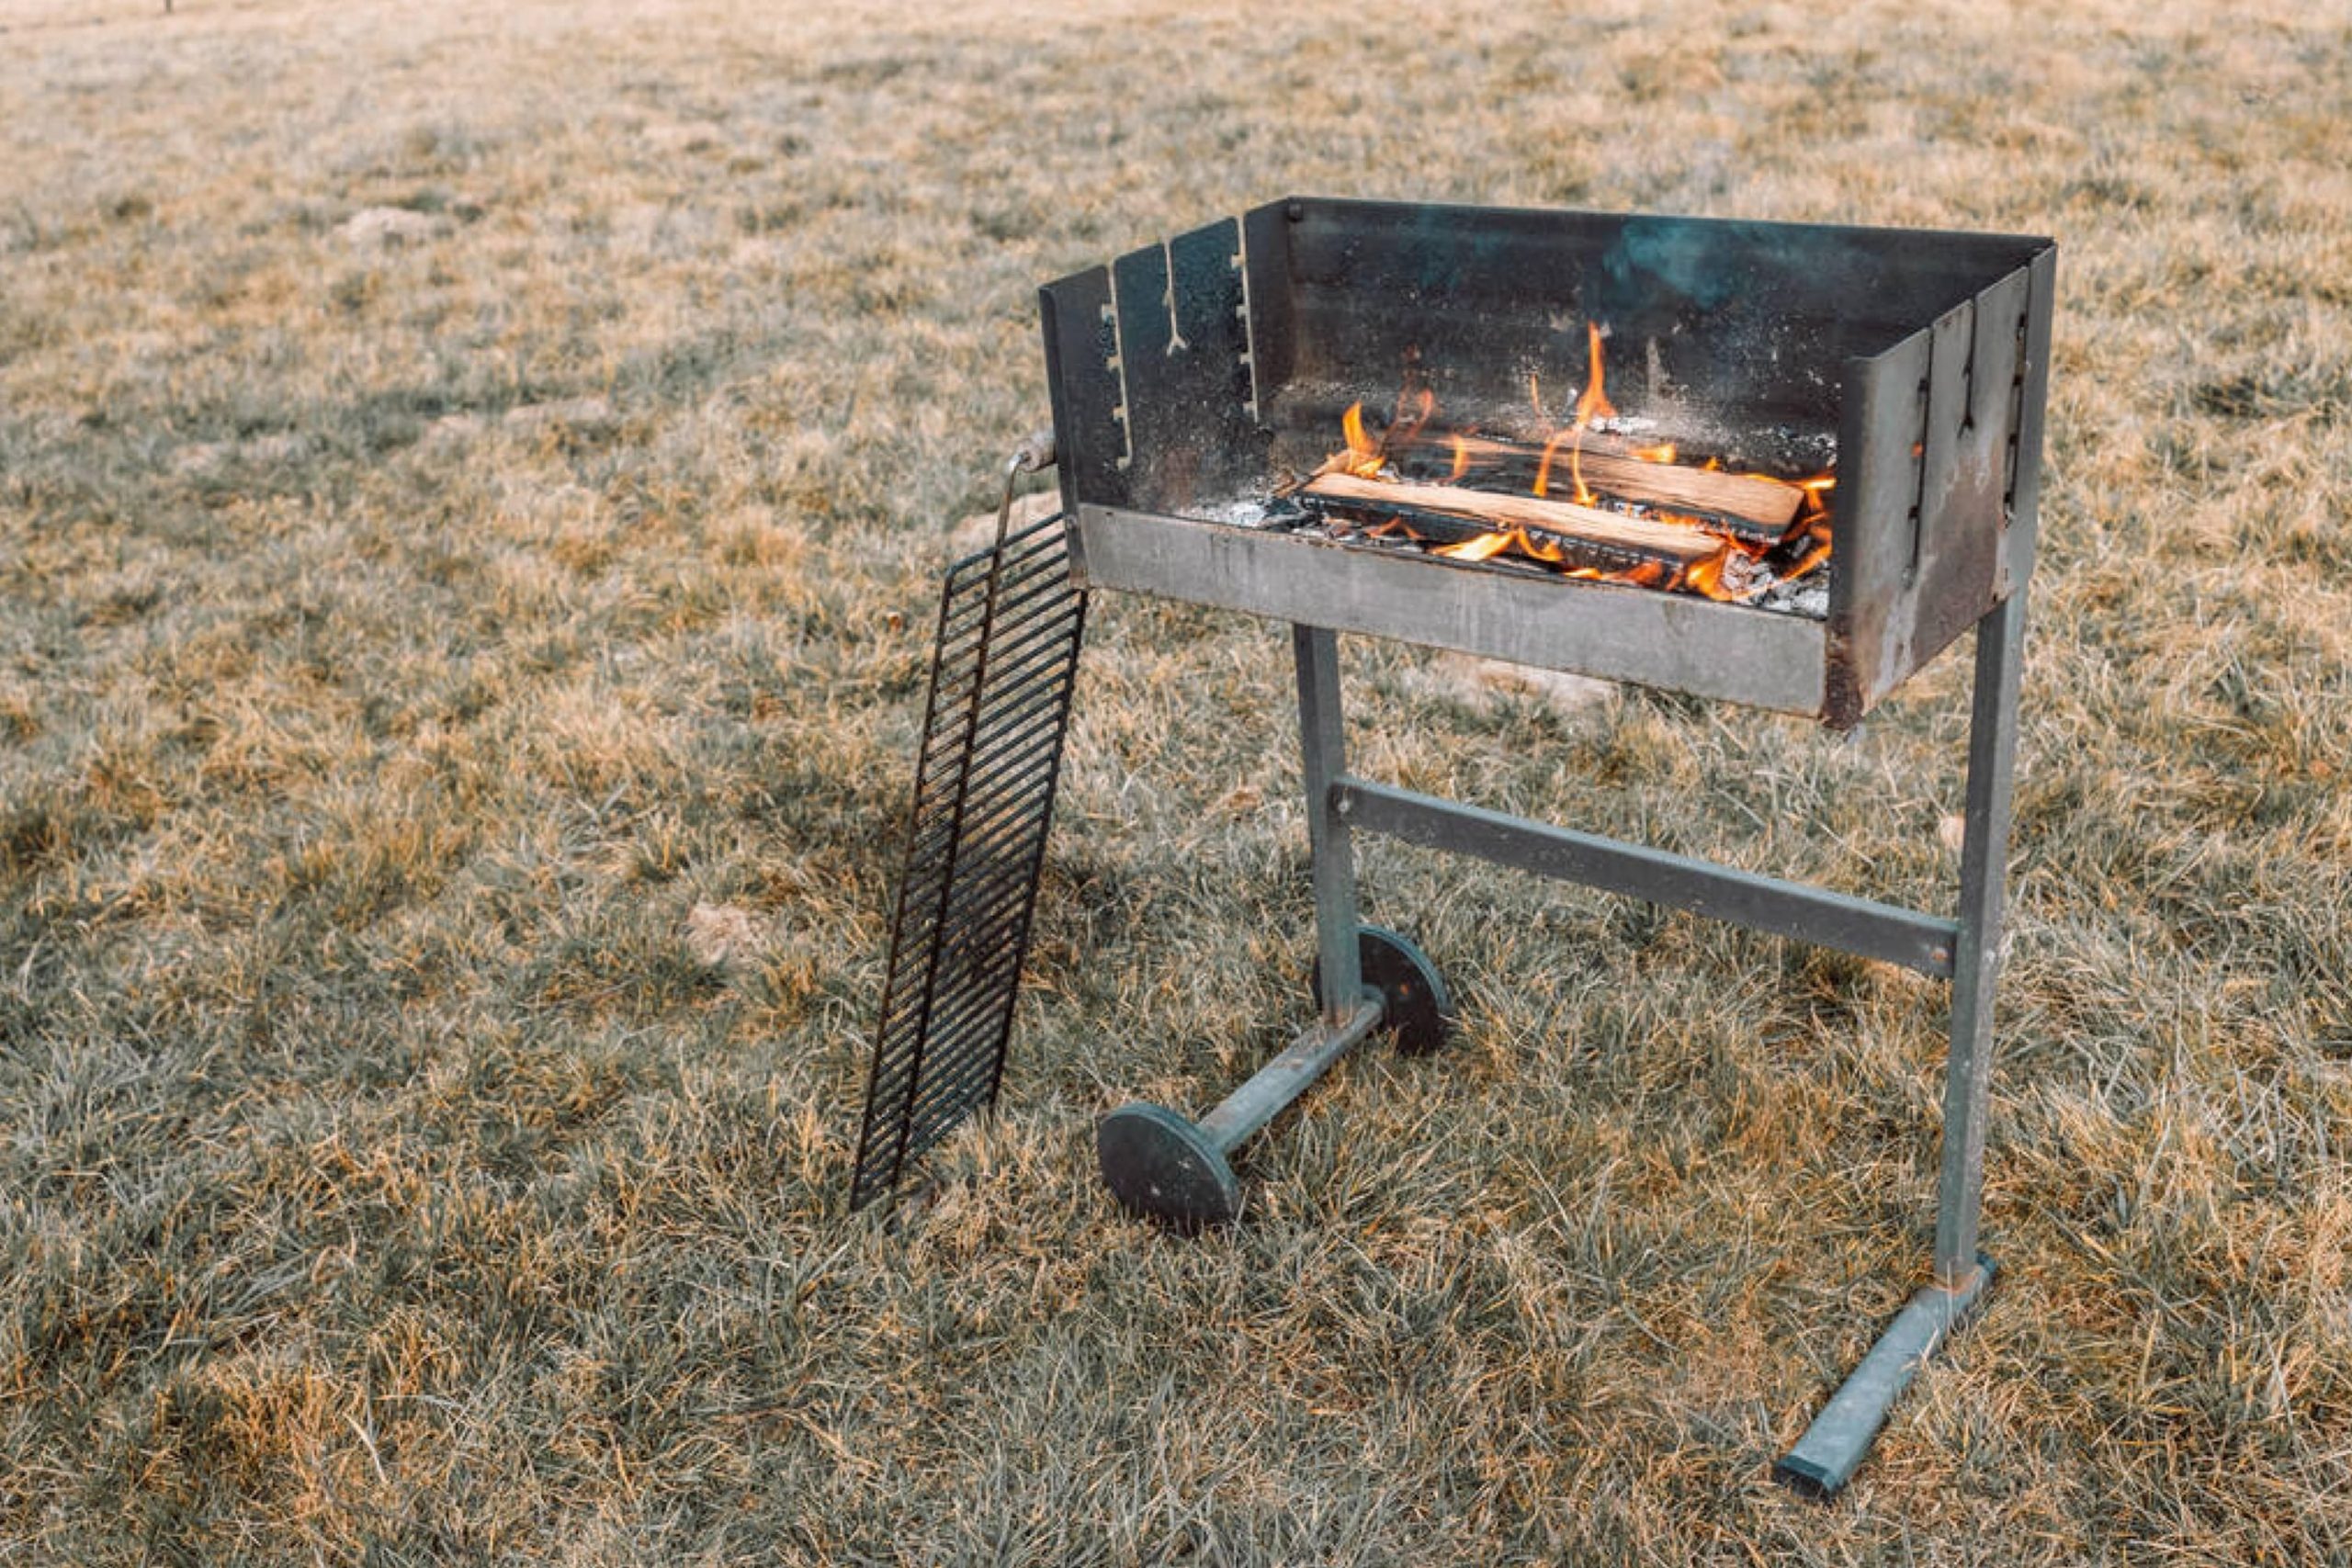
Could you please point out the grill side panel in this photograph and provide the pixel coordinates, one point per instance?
(1940, 451)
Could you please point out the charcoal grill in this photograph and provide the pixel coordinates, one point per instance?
(1196, 376)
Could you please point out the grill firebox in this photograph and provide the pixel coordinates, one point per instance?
(1194, 374)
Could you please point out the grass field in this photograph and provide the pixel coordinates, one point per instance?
(473, 486)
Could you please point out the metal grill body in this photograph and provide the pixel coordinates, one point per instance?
(1190, 376)
(1010, 626)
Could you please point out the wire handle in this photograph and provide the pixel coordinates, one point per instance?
(1034, 454)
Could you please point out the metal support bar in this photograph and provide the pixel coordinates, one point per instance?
(1272, 1088)
(1968, 1073)
(1760, 903)
(1324, 759)
(1825, 1459)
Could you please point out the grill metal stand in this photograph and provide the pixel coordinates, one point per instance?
(1160, 1164)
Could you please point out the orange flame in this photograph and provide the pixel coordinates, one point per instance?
(1811, 521)
(1707, 576)
(1813, 557)
(1550, 450)
(1592, 404)
(1817, 493)
(1363, 456)
(1483, 547)
(1738, 570)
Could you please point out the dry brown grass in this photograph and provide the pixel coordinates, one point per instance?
(404, 630)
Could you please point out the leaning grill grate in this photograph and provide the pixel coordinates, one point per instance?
(1010, 622)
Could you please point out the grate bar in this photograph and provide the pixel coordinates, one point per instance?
(1011, 729)
(995, 714)
(1041, 644)
(1011, 623)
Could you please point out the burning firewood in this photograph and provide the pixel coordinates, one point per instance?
(1752, 504)
(1638, 536)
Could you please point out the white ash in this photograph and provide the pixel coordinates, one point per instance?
(1246, 514)
(1625, 424)
(1808, 596)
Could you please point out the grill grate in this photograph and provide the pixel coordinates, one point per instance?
(1010, 623)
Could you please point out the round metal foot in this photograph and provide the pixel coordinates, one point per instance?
(1414, 998)
(1157, 1163)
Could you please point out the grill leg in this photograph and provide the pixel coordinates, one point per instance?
(1323, 756)
(1977, 956)
(1825, 1459)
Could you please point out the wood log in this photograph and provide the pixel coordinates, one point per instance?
(1671, 541)
(1765, 505)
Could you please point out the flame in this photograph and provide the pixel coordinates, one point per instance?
(1514, 541)
(1646, 575)
(1662, 453)
(1712, 576)
(1550, 450)
(1706, 576)
(1594, 404)
(1461, 458)
(1813, 557)
(1591, 404)
(1816, 493)
(1812, 516)
(1483, 547)
(1363, 456)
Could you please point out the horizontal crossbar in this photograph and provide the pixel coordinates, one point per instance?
(1742, 898)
